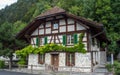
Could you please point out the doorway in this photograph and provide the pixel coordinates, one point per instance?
(55, 60)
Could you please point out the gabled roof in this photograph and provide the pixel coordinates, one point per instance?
(56, 11)
(52, 11)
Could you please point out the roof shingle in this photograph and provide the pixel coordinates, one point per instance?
(51, 11)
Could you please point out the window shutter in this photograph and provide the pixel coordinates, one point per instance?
(75, 39)
(45, 40)
(37, 41)
(64, 39)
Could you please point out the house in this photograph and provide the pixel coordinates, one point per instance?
(58, 26)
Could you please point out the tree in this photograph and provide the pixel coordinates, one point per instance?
(8, 42)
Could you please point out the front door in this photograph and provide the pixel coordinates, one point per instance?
(54, 60)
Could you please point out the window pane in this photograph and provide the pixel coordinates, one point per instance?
(41, 58)
(70, 39)
(41, 41)
(55, 26)
(70, 61)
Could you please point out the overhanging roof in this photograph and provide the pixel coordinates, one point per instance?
(56, 11)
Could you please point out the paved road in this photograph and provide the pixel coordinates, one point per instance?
(2, 72)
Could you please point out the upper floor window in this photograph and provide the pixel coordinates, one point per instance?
(70, 39)
(55, 25)
(41, 41)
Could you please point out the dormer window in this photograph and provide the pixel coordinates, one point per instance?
(55, 25)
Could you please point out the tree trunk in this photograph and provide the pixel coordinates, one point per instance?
(10, 62)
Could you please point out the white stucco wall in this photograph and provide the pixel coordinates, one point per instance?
(62, 22)
(62, 59)
(71, 28)
(102, 57)
(33, 60)
(83, 60)
(35, 32)
(47, 58)
(70, 21)
(80, 27)
(82, 63)
(48, 24)
(63, 29)
(48, 31)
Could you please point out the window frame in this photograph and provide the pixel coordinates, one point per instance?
(41, 61)
(70, 39)
(55, 23)
(70, 61)
(41, 43)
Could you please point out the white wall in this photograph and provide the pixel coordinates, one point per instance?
(102, 57)
(80, 27)
(62, 29)
(35, 32)
(62, 22)
(83, 60)
(33, 60)
(62, 58)
(82, 63)
(47, 58)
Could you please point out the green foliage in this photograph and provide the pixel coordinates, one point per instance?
(106, 11)
(2, 64)
(116, 67)
(21, 62)
(18, 25)
(23, 53)
(109, 67)
(8, 42)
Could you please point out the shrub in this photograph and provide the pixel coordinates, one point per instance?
(109, 67)
(2, 64)
(21, 62)
(116, 67)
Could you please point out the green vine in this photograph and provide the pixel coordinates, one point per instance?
(52, 47)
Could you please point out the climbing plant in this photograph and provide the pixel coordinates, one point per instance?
(79, 47)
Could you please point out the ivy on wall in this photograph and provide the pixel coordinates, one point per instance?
(79, 47)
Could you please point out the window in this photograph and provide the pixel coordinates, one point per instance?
(41, 41)
(70, 39)
(70, 59)
(55, 25)
(41, 58)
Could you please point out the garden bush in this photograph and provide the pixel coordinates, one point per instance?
(116, 67)
(2, 64)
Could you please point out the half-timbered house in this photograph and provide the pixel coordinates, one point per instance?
(58, 26)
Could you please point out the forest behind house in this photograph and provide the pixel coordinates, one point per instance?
(15, 17)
